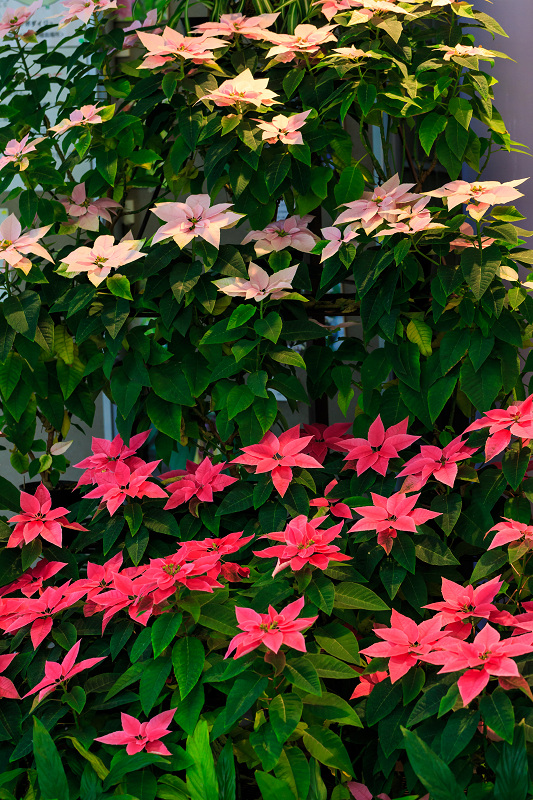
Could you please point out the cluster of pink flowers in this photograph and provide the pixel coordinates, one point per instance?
(102, 257)
(15, 245)
(13, 18)
(260, 285)
(194, 218)
(171, 45)
(289, 232)
(86, 115)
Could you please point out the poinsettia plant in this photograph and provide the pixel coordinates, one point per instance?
(328, 609)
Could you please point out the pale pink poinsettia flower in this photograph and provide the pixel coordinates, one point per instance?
(325, 438)
(195, 217)
(32, 580)
(388, 515)
(104, 256)
(289, 232)
(13, 18)
(279, 455)
(229, 25)
(331, 7)
(411, 220)
(486, 656)
(138, 736)
(86, 115)
(511, 531)
(38, 518)
(38, 612)
(15, 245)
(461, 605)
(283, 129)
(441, 463)
(405, 643)
(503, 423)
(464, 51)
(114, 487)
(196, 483)
(384, 204)
(7, 687)
(171, 45)
(331, 505)
(57, 674)
(335, 238)
(376, 451)
(272, 629)
(241, 91)
(352, 53)
(87, 212)
(467, 230)
(305, 41)
(83, 10)
(479, 195)
(149, 22)
(107, 454)
(260, 285)
(16, 152)
(304, 542)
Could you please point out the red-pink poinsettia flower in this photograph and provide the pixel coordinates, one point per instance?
(305, 41)
(461, 604)
(164, 576)
(87, 212)
(7, 687)
(196, 217)
(362, 792)
(325, 437)
(102, 257)
(479, 195)
(125, 593)
(331, 505)
(223, 546)
(335, 238)
(405, 643)
(39, 612)
(13, 18)
(107, 454)
(229, 25)
(388, 515)
(436, 461)
(466, 230)
(283, 129)
(279, 455)
(271, 629)
(32, 580)
(289, 232)
(487, 655)
(15, 245)
(171, 45)
(516, 420)
(511, 530)
(368, 682)
(114, 487)
(376, 451)
(304, 542)
(99, 577)
(196, 483)
(86, 115)
(56, 674)
(260, 285)
(83, 10)
(149, 22)
(38, 518)
(16, 152)
(382, 205)
(139, 736)
(241, 91)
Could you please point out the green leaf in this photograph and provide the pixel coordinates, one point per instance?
(152, 681)
(123, 764)
(238, 499)
(420, 334)
(514, 463)
(284, 713)
(119, 285)
(202, 781)
(453, 347)
(290, 357)
(225, 772)
(432, 550)
(50, 772)
(412, 684)
(479, 268)
(432, 126)
(27, 207)
(164, 631)
(239, 399)
(498, 713)
(456, 137)
(276, 171)
(350, 185)
(340, 642)
(459, 731)
(383, 699)
(292, 80)
(240, 316)
(461, 108)
(188, 659)
(489, 562)
(327, 747)
(353, 595)
(165, 416)
(366, 96)
(321, 592)
(481, 387)
(449, 506)
(10, 372)
(242, 696)
(106, 164)
(266, 745)
(512, 777)
(22, 313)
(302, 674)
(272, 788)
(269, 327)
(431, 770)
(183, 278)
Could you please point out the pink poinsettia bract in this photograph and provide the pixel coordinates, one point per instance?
(376, 451)
(138, 736)
(272, 629)
(38, 518)
(388, 515)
